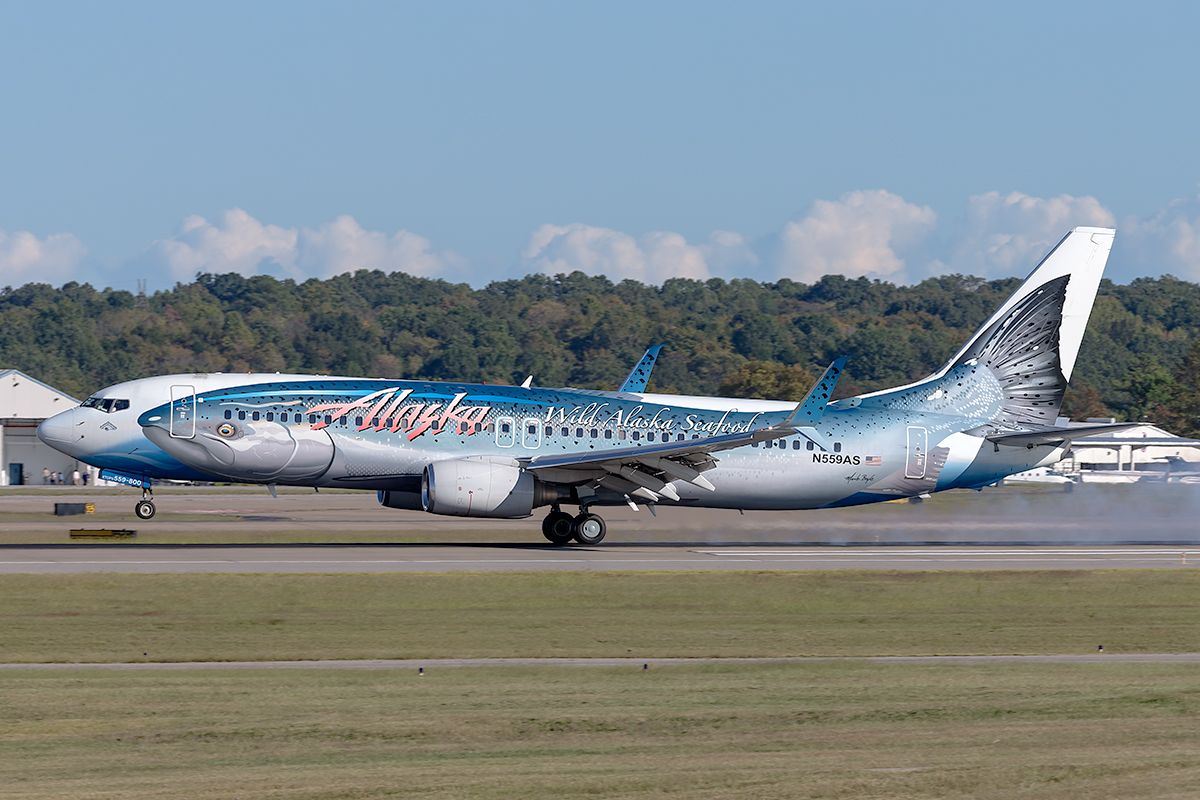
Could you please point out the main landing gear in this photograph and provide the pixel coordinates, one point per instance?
(145, 507)
(559, 528)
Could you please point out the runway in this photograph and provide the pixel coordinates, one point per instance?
(641, 663)
(131, 558)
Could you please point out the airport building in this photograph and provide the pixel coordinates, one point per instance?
(24, 403)
(1144, 452)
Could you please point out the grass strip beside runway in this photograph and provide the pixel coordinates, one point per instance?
(202, 617)
(762, 732)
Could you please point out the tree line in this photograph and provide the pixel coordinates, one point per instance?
(1140, 357)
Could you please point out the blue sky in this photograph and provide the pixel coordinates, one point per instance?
(483, 140)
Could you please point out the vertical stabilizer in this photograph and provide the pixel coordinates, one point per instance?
(1014, 371)
(1068, 277)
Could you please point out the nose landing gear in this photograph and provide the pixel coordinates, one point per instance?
(559, 528)
(144, 508)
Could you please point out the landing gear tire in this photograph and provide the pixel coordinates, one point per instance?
(144, 509)
(557, 527)
(588, 529)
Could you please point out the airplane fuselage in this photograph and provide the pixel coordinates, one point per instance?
(380, 435)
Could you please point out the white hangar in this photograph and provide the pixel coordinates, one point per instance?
(25, 402)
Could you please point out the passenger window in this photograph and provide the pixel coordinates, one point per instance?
(637, 435)
(680, 438)
(358, 421)
(549, 431)
(608, 434)
(579, 433)
(811, 446)
(837, 447)
(241, 415)
(299, 417)
(594, 433)
(650, 436)
(622, 434)
(312, 419)
(566, 431)
(531, 429)
(754, 444)
(504, 432)
(270, 416)
(228, 414)
(255, 416)
(795, 444)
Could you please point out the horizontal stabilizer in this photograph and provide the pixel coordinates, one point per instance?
(1056, 435)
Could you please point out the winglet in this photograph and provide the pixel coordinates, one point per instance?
(810, 409)
(639, 376)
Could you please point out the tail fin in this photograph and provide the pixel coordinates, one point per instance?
(1027, 349)
(1050, 310)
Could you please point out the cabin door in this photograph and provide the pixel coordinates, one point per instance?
(918, 447)
(182, 424)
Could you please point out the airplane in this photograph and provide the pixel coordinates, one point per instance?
(479, 450)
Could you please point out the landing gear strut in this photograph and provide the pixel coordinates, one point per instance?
(556, 527)
(145, 507)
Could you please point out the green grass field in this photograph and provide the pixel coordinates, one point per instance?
(119, 617)
(835, 730)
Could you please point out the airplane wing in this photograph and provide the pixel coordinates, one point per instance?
(639, 376)
(1054, 435)
(648, 471)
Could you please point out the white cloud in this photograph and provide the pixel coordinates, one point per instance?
(25, 258)
(343, 245)
(862, 233)
(731, 254)
(651, 258)
(1007, 234)
(1169, 241)
(240, 243)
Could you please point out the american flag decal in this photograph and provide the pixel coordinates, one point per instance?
(872, 461)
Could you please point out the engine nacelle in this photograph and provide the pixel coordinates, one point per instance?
(390, 498)
(478, 486)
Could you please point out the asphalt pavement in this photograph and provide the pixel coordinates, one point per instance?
(60, 559)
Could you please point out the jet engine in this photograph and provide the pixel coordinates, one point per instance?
(484, 487)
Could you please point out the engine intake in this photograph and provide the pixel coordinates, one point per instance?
(484, 487)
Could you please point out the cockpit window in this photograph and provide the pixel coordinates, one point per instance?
(105, 404)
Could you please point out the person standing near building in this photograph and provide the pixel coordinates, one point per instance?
(75, 481)
(45, 475)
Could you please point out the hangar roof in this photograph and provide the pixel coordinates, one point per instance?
(23, 397)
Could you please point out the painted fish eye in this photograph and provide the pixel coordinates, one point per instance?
(227, 430)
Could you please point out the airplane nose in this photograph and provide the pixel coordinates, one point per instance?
(59, 430)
